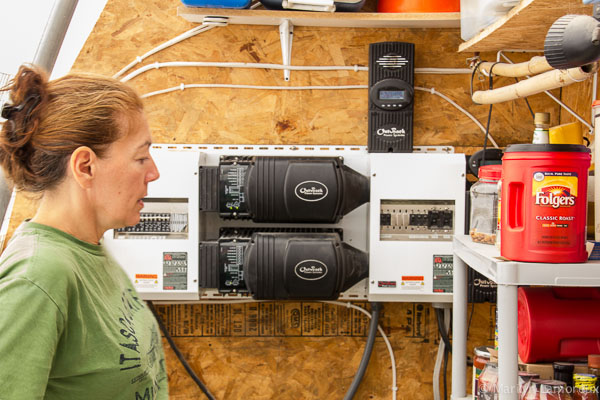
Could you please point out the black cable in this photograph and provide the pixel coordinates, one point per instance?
(375, 309)
(487, 128)
(560, 93)
(473, 75)
(527, 101)
(470, 318)
(180, 356)
(445, 371)
(443, 334)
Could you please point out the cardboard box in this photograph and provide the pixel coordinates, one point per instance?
(545, 370)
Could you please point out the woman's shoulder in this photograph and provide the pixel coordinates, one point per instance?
(44, 263)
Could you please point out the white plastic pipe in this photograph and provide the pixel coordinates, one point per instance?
(560, 103)
(538, 84)
(534, 66)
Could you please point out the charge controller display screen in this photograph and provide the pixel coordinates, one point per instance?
(392, 94)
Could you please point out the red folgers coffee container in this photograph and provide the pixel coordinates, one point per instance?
(544, 203)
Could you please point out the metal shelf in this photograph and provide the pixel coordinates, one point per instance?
(486, 260)
(508, 275)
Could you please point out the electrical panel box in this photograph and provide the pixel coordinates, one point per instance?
(417, 204)
(414, 207)
(160, 253)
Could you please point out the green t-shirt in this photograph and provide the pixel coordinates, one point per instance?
(71, 324)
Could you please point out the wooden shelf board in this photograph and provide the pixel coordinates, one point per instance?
(343, 20)
(525, 26)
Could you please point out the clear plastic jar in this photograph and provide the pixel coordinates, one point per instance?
(524, 379)
(482, 357)
(585, 387)
(542, 389)
(484, 205)
(488, 382)
(594, 368)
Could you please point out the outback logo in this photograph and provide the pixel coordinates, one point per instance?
(311, 191)
(310, 270)
(555, 197)
(391, 132)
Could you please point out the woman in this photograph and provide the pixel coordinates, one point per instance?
(71, 323)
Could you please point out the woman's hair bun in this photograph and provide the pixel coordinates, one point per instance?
(28, 95)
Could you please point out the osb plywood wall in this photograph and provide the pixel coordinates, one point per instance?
(312, 361)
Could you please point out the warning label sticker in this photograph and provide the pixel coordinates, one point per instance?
(175, 271)
(146, 281)
(412, 282)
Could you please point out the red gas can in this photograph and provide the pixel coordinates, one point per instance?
(544, 203)
(558, 323)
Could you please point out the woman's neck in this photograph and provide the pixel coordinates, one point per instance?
(69, 212)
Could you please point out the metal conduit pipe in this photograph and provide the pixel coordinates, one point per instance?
(54, 34)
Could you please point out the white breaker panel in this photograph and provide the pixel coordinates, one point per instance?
(160, 254)
(417, 205)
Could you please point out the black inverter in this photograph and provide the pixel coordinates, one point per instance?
(391, 92)
(282, 189)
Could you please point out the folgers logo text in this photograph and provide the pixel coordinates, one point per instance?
(311, 191)
(555, 197)
(310, 270)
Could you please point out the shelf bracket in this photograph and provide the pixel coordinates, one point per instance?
(286, 35)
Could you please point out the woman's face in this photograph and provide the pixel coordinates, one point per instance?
(123, 175)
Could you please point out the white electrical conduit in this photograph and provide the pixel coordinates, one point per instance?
(192, 32)
(232, 86)
(440, 355)
(537, 84)
(240, 65)
(354, 68)
(534, 66)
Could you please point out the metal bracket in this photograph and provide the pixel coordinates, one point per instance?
(309, 5)
(286, 35)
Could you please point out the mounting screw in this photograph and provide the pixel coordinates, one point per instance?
(372, 282)
(374, 174)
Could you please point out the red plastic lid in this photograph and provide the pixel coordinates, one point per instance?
(596, 103)
(491, 172)
(418, 6)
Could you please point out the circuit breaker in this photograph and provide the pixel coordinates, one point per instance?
(416, 206)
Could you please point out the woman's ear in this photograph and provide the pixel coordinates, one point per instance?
(82, 166)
